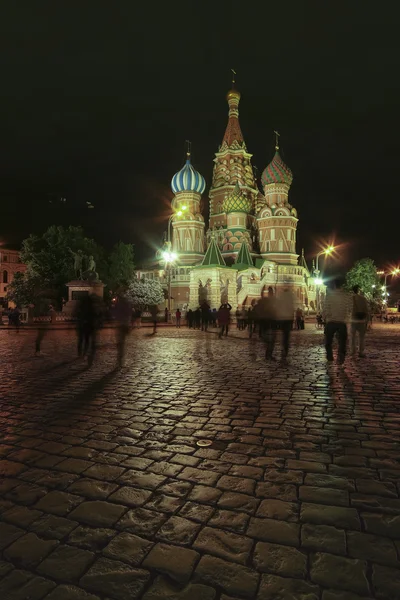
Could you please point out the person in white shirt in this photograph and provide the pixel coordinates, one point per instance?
(359, 320)
(337, 312)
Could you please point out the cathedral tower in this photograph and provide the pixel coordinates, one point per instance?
(277, 219)
(232, 166)
(187, 221)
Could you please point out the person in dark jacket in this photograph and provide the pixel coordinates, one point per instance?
(224, 317)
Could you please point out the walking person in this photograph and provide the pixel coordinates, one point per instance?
(205, 315)
(299, 319)
(197, 318)
(154, 313)
(123, 314)
(285, 312)
(178, 315)
(224, 317)
(359, 321)
(88, 320)
(336, 313)
(190, 318)
(266, 314)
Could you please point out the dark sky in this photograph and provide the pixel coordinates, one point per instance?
(98, 98)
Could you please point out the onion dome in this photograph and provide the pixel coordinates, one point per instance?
(236, 201)
(277, 172)
(188, 179)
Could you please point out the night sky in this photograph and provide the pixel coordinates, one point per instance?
(98, 98)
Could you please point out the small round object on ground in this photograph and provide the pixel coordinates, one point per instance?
(204, 443)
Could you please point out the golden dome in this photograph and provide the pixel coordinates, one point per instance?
(233, 94)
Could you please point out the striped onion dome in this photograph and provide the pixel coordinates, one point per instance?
(277, 172)
(236, 201)
(188, 180)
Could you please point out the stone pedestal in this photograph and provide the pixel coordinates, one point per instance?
(78, 288)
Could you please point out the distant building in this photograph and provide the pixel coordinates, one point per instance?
(10, 263)
(250, 245)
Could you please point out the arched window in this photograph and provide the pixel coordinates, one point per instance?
(5, 276)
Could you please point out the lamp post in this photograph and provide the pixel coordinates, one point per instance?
(169, 256)
(318, 280)
(384, 287)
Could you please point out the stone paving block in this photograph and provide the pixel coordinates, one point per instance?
(53, 527)
(385, 525)
(341, 573)
(324, 538)
(286, 492)
(141, 479)
(70, 592)
(280, 560)
(97, 512)
(26, 493)
(21, 515)
(163, 503)
(319, 495)
(58, 503)
(142, 521)
(224, 544)
(319, 514)
(200, 513)
(372, 547)
(329, 481)
(228, 519)
(379, 488)
(92, 488)
(202, 493)
(130, 496)
(286, 476)
(115, 579)
(66, 563)
(128, 547)
(277, 509)
(178, 530)
(306, 465)
(272, 530)
(198, 476)
(236, 484)
(73, 465)
(22, 585)
(336, 595)
(273, 587)
(386, 582)
(8, 534)
(91, 538)
(5, 567)
(231, 577)
(241, 502)
(163, 589)
(29, 550)
(177, 563)
(9, 468)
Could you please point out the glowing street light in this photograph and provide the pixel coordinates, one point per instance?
(318, 281)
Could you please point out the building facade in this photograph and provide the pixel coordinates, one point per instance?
(10, 263)
(250, 244)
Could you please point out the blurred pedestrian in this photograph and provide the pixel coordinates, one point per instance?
(224, 317)
(154, 314)
(88, 315)
(190, 317)
(197, 318)
(285, 313)
(123, 315)
(337, 310)
(178, 315)
(166, 314)
(359, 321)
(299, 319)
(205, 315)
(266, 312)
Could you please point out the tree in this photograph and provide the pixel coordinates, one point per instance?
(25, 290)
(50, 261)
(121, 268)
(145, 292)
(364, 274)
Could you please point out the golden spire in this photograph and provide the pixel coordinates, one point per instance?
(277, 135)
(233, 77)
(188, 149)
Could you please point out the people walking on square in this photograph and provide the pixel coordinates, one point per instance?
(266, 314)
(285, 313)
(359, 322)
(337, 311)
(299, 319)
(154, 315)
(224, 317)
(214, 317)
(123, 314)
(166, 315)
(197, 318)
(190, 317)
(205, 315)
(88, 320)
(14, 318)
(178, 315)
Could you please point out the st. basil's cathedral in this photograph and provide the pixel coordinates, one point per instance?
(250, 245)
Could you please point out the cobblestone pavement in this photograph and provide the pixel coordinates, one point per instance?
(104, 492)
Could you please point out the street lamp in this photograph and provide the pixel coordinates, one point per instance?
(393, 273)
(169, 256)
(318, 281)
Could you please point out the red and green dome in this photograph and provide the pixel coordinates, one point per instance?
(236, 201)
(277, 172)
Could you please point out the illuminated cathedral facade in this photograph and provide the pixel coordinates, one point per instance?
(249, 246)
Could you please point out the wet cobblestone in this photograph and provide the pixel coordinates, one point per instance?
(105, 494)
